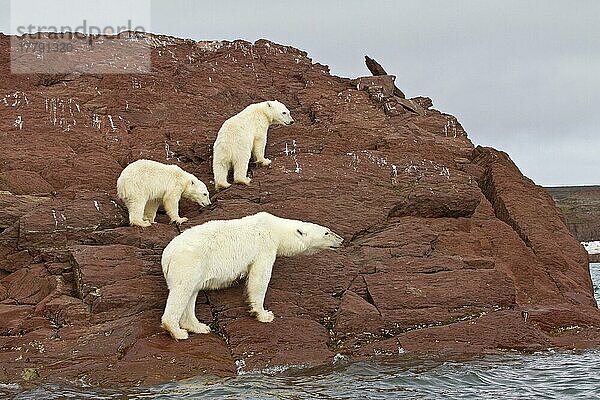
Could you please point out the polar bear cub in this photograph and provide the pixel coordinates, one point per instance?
(243, 135)
(145, 184)
(216, 253)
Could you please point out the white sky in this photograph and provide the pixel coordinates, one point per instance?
(521, 75)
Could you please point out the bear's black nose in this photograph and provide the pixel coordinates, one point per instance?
(291, 122)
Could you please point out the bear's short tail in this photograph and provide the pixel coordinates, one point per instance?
(165, 269)
(121, 189)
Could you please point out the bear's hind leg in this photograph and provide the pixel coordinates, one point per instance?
(177, 301)
(220, 171)
(189, 321)
(150, 210)
(258, 282)
(240, 171)
(136, 213)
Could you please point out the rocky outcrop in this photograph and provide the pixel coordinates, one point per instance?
(581, 208)
(449, 248)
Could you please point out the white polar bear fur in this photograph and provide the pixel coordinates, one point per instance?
(243, 135)
(145, 184)
(216, 253)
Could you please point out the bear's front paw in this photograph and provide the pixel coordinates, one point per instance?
(265, 316)
(175, 332)
(180, 335)
(180, 221)
(195, 327)
(265, 162)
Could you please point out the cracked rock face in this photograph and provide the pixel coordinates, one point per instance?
(449, 248)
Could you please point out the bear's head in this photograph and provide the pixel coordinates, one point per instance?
(279, 113)
(197, 191)
(308, 238)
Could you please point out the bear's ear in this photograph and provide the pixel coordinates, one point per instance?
(300, 232)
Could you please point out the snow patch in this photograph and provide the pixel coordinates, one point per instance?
(96, 121)
(58, 217)
(18, 122)
(445, 172)
(394, 174)
(212, 45)
(592, 247)
(169, 154)
(112, 124)
(292, 151)
(62, 112)
(240, 364)
(450, 127)
(15, 99)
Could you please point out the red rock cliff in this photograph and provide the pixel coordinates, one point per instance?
(450, 249)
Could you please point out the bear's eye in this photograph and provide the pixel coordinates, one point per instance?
(326, 233)
(285, 112)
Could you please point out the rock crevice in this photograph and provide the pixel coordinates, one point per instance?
(490, 192)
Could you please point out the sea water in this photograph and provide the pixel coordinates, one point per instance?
(548, 375)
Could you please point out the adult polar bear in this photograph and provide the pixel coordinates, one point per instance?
(216, 253)
(145, 184)
(243, 135)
